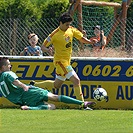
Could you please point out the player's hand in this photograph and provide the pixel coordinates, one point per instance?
(26, 88)
(94, 41)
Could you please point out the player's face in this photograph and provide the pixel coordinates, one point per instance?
(7, 67)
(96, 32)
(33, 41)
(65, 26)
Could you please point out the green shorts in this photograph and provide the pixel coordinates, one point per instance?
(34, 96)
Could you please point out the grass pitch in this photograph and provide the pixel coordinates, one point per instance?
(66, 121)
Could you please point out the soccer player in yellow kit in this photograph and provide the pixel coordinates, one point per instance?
(61, 38)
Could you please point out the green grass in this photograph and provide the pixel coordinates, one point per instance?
(66, 121)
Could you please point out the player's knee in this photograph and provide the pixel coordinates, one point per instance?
(78, 81)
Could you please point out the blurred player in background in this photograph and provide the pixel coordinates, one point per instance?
(33, 49)
(29, 97)
(62, 38)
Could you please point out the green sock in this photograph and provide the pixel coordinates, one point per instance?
(66, 99)
(40, 107)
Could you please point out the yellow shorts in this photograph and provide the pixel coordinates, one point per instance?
(62, 68)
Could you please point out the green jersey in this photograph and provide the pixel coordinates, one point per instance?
(33, 97)
(7, 89)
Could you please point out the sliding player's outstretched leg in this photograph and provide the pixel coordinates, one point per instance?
(69, 100)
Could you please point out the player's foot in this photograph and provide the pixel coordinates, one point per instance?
(24, 107)
(32, 82)
(88, 104)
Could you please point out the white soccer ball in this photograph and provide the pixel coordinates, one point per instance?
(100, 94)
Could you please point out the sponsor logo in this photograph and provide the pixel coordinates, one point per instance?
(68, 45)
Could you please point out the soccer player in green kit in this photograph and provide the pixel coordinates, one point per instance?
(27, 96)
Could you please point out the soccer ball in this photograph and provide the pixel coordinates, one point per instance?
(100, 94)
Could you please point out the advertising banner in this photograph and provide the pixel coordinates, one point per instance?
(115, 75)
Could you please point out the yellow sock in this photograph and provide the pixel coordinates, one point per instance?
(78, 93)
(47, 84)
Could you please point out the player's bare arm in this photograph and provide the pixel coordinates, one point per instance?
(20, 84)
(48, 50)
(86, 41)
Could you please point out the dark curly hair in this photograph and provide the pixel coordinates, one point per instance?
(65, 17)
(3, 61)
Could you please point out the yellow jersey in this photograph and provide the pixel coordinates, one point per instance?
(62, 42)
